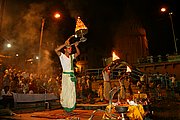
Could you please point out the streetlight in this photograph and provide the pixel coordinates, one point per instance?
(172, 26)
(9, 45)
(57, 16)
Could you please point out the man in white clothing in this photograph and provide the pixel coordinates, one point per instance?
(107, 84)
(68, 93)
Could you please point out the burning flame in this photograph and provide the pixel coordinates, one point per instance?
(115, 57)
(80, 25)
(128, 69)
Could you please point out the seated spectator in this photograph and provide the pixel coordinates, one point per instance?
(100, 91)
(139, 85)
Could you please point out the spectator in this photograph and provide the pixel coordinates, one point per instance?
(139, 85)
(100, 91)
(173, 79)
(6, 81)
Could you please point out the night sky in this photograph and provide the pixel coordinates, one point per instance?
(22, 20)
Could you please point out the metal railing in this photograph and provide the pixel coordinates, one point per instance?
(97, 73)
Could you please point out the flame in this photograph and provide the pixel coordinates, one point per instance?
(80, 25)
(115, 57)
(128, 69)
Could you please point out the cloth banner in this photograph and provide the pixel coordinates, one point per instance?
(33, 97)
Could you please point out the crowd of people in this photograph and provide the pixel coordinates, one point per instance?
(84, 88)
(152, 84)
(16, 81)
(13, 80)
(156, 79)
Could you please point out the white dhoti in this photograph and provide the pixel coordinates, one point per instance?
(68, 93)
(122, 92)
(107, 89)
(107, 85)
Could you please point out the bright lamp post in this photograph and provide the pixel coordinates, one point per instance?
(172, 26)
(9, 45)
(57, 16)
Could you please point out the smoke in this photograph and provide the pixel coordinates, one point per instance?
(46, 63)
(27, 30)
(76, 8)
(23, 26)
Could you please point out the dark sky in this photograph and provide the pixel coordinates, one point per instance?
(21, 21)
(159, 29)
(157, 25)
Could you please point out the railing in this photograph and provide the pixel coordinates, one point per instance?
(97, 73)
(159, 58)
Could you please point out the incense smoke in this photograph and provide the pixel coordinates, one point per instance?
(24, 29)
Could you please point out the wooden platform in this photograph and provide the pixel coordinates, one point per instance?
(92, 106)
(54, 115)
(166, 109)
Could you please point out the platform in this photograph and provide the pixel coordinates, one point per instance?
(92, 106)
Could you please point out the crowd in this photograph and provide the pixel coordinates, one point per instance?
(156, 79)
(13, 80)
(153, 84)
(16, 81)
(156, 83)
(84, 88)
